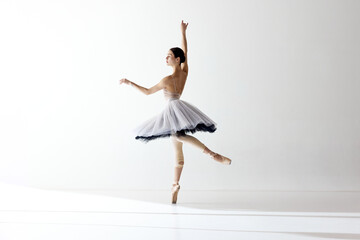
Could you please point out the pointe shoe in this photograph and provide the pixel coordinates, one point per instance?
(174, 192)
(221, 159)
(217, 157)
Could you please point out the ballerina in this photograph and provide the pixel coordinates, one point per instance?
(179, 117)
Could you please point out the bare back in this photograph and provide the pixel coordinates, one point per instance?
(179, 79)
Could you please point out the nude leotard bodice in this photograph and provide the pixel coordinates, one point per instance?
(171, 95)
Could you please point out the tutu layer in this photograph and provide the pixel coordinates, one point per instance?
(179, 117)
(200, 127)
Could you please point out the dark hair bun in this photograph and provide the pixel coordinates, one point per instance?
(178, 52)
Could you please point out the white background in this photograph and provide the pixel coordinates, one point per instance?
(280, 78)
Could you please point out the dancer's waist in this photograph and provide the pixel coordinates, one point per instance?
(172, 99)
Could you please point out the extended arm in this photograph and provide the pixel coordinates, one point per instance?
(184, 65)
(184, 42)
(146, 91)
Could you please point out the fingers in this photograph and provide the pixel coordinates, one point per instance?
(182, 22)
(123, 80)
(183, 25)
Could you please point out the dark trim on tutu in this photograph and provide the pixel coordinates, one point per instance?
(201, 127)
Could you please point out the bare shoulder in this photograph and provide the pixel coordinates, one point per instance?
(183, 75)
(166, 80)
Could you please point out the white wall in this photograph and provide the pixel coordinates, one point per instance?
(281, 79)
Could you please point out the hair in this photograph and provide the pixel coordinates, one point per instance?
(178, 52)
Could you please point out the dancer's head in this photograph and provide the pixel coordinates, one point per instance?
(175, 56)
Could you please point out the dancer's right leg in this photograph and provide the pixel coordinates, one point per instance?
(195, 142)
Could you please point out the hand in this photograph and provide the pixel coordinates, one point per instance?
(183, 26)
(124, 80)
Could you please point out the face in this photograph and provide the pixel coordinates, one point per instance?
(170, 58)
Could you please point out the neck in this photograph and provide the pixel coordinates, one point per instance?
(176, 70)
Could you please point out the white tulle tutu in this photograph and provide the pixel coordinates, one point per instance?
(178, 117)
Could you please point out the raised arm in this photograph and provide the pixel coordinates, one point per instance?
(184, 65)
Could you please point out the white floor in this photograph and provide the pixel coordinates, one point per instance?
(36, 214)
